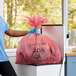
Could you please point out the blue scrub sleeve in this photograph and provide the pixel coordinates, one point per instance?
(6, 27)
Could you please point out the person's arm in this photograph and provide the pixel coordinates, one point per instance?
(14, 33)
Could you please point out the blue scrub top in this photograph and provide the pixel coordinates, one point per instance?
(3, 27)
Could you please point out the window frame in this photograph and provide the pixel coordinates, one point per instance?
(65, 23)
(12, 52)
(67, 47)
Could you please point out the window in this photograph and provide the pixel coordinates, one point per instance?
(15, 10)
(72, 22)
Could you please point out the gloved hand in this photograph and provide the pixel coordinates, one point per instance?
(34, 30)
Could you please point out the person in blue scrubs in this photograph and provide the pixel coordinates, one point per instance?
(6, 68)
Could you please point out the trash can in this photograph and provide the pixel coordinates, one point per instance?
(39, 70)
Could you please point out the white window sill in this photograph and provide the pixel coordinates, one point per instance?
(11, 52)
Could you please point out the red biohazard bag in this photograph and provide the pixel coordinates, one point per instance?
(37, 48)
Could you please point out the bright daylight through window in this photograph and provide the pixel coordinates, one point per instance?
(15, 10)
(72, 22)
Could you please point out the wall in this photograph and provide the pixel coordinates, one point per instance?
(1, 8)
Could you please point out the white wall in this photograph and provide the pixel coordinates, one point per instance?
(1, 7)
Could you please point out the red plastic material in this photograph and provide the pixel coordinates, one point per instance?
(37, 49)
(37, 21)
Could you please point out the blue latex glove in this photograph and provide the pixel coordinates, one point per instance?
(34, 30)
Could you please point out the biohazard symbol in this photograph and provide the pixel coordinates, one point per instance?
(38, 53)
